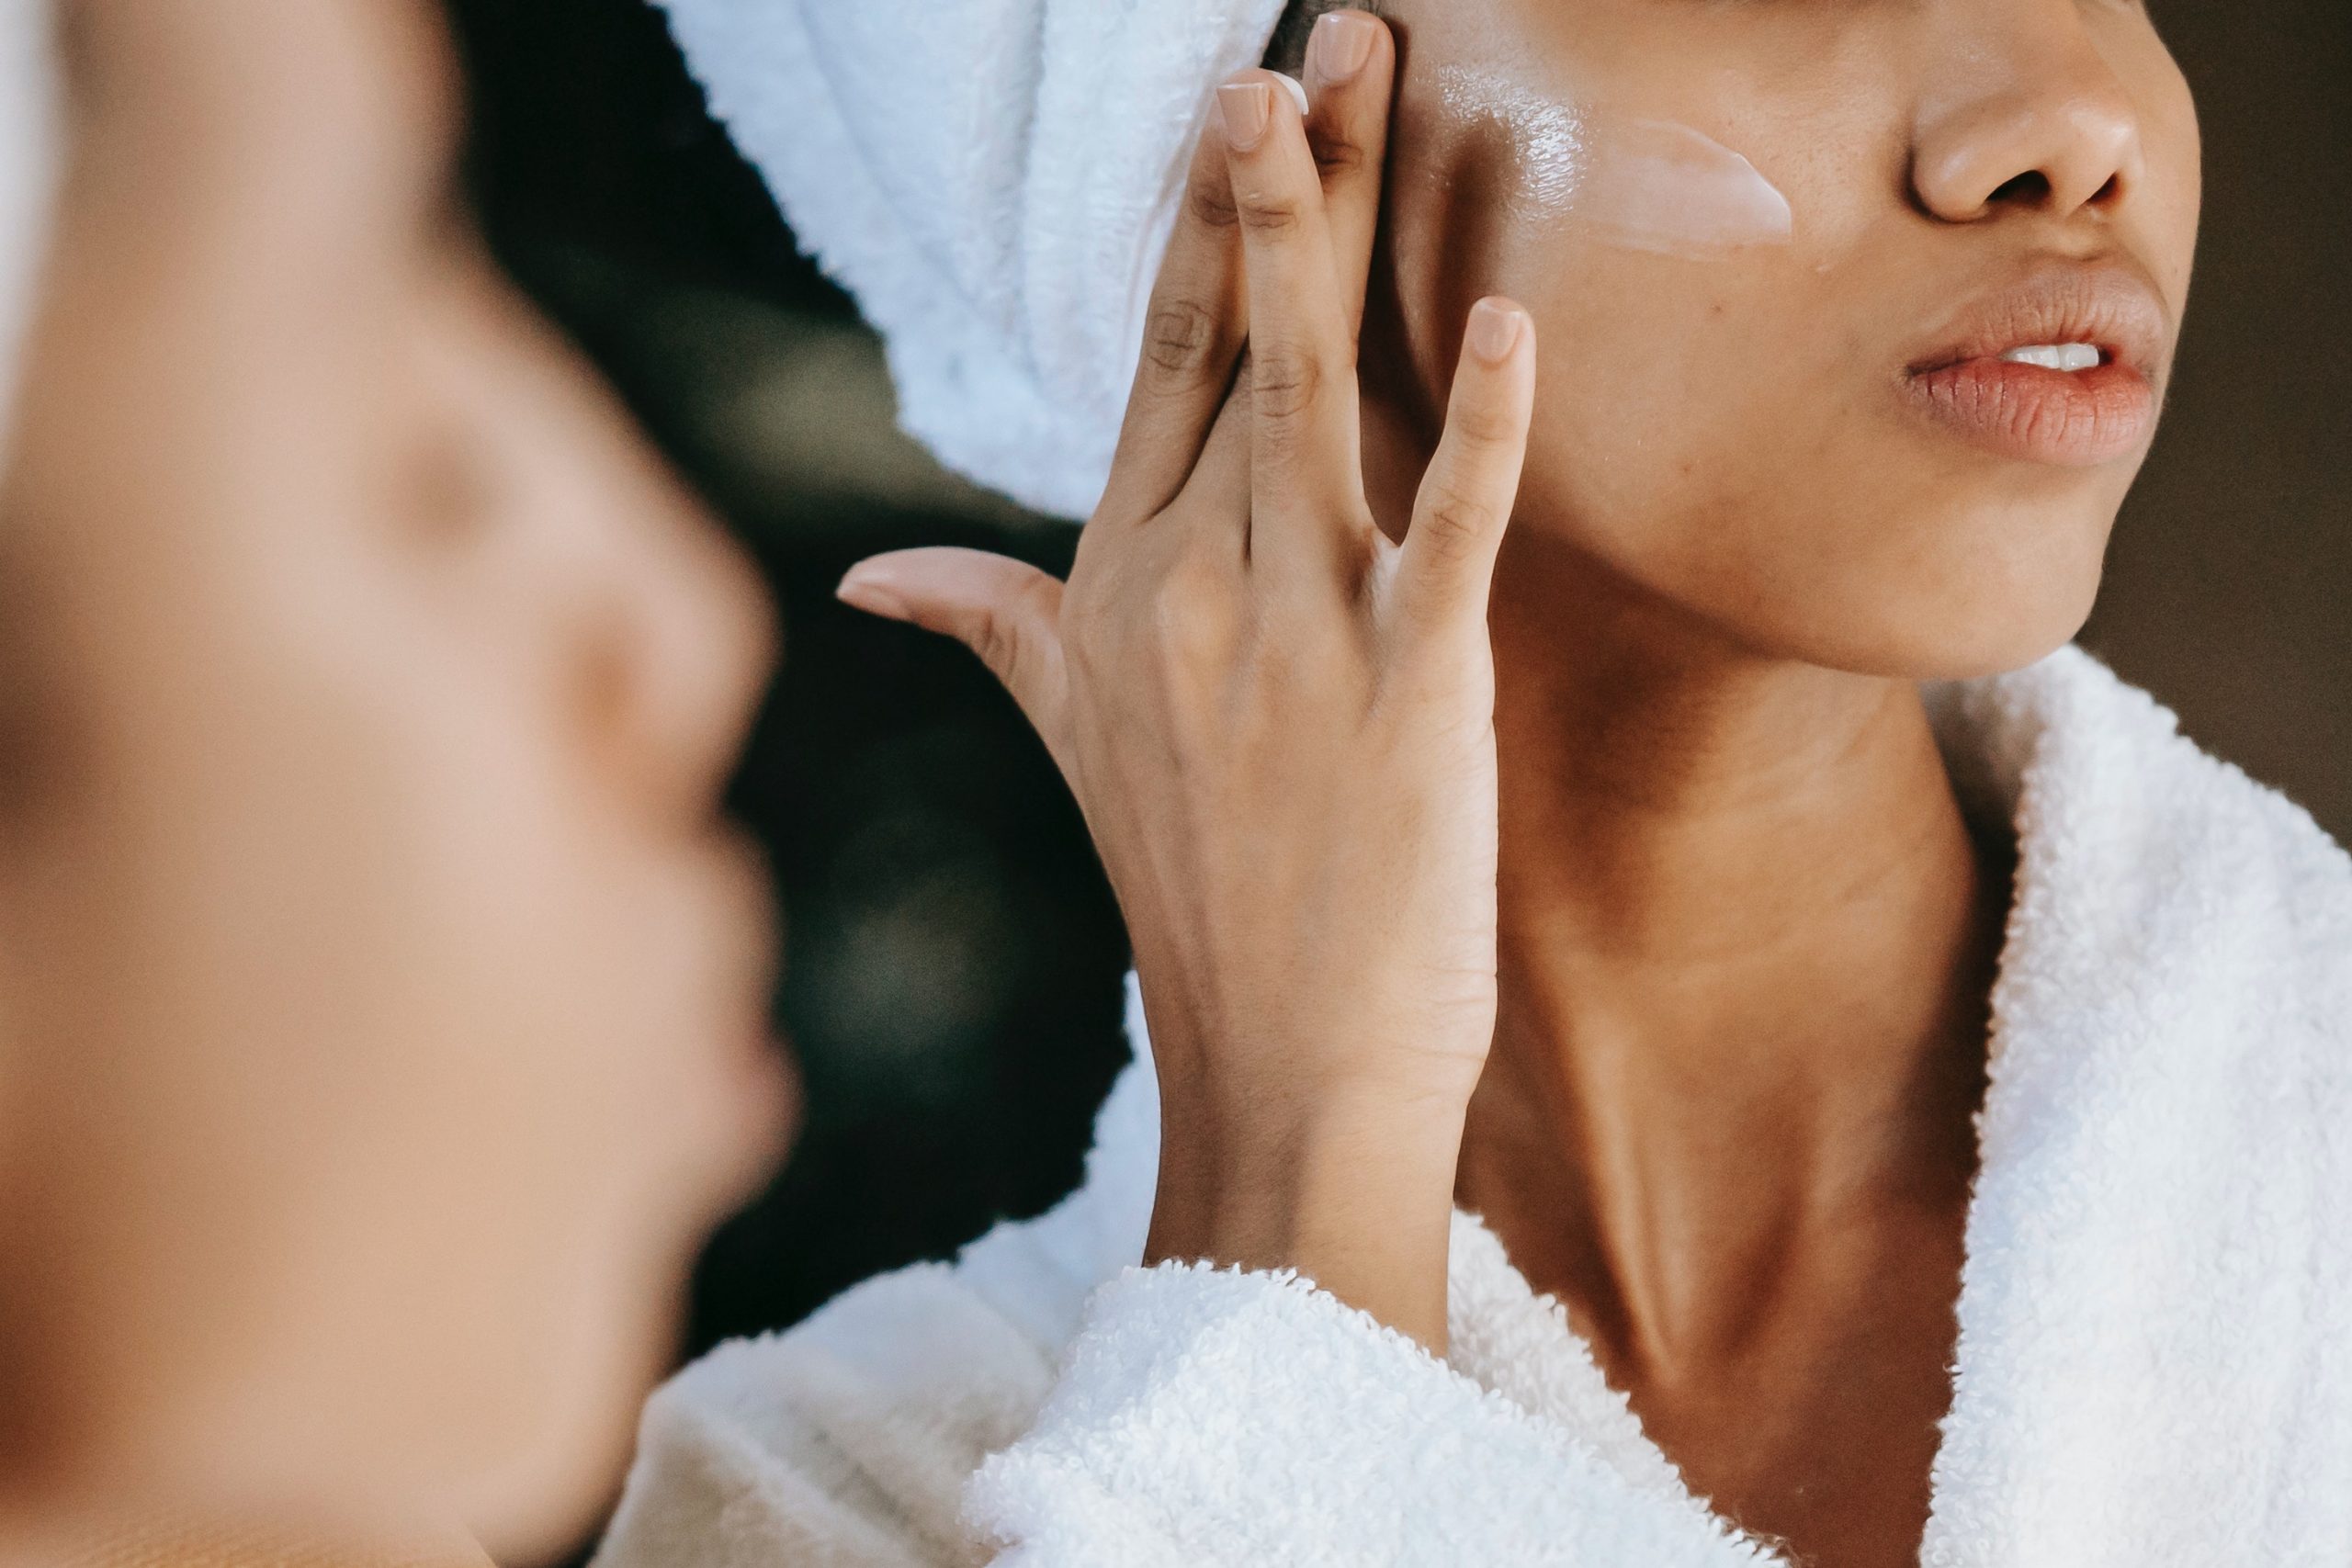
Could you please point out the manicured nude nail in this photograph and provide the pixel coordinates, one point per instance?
(1245, 107)
(1340, 45)
(1494, 329)
(863, 589)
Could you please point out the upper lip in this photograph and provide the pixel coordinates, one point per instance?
(2110, 304)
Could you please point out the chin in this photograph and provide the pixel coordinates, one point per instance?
(1988, 628)
(1991, 592)
(1935, 625)
(1993, 649)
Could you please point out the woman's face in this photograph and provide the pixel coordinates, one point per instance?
(384, 1000)
(1777, 250)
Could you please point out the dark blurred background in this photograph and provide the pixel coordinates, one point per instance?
(955, 959)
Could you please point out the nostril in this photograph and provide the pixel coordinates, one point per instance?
(2108, 192)
(2028, 189)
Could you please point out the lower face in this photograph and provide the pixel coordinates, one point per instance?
(1774, 396)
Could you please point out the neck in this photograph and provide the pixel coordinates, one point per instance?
(1746, 944)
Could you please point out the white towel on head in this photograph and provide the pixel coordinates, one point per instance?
(994, 180)
(28, 163)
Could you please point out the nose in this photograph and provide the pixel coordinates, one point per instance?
(676, 667)
(2033, 117)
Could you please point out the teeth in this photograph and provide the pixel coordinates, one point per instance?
(2057, 355)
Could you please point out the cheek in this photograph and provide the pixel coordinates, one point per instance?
(1726, 437)
(1666, 382)
(1727, 427)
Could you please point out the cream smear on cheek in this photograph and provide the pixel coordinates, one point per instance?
(1646, 184)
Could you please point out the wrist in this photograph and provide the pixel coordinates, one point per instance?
(1352, 1191)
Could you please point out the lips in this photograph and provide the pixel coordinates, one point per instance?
(2031, 413)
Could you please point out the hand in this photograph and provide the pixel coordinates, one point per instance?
(1278, 721)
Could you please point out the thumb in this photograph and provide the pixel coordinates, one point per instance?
(1006, 611)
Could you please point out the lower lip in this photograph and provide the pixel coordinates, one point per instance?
(2073, 419)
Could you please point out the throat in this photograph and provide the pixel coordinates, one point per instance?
(1742, 1042)
(1728, 1120)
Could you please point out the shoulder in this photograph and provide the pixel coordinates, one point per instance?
(850, 1435)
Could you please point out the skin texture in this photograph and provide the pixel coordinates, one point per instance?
(1743, 935)
(384, 996)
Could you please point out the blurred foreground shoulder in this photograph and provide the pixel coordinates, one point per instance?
(849, 1438)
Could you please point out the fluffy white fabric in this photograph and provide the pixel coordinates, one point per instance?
(28, 153)
(995, 181)
(2154, 1364)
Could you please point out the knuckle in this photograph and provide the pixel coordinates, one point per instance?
(1185, 614)
(1341, 158)
(1285, 381)
(1486, 427)
(1210, 202)
(1274, 215)
(1454, 524)
(1173, 624)
(1180, 340)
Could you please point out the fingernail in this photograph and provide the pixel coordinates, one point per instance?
(863, 589)
(1245, 107)
(1340, 45)
(1297, 90)
(1494, 329)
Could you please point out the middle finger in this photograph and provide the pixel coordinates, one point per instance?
(1351, 70)
(1306, 473)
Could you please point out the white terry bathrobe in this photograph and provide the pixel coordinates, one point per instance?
(2155, 1362)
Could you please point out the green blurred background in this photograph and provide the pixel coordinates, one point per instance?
(955, 959)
